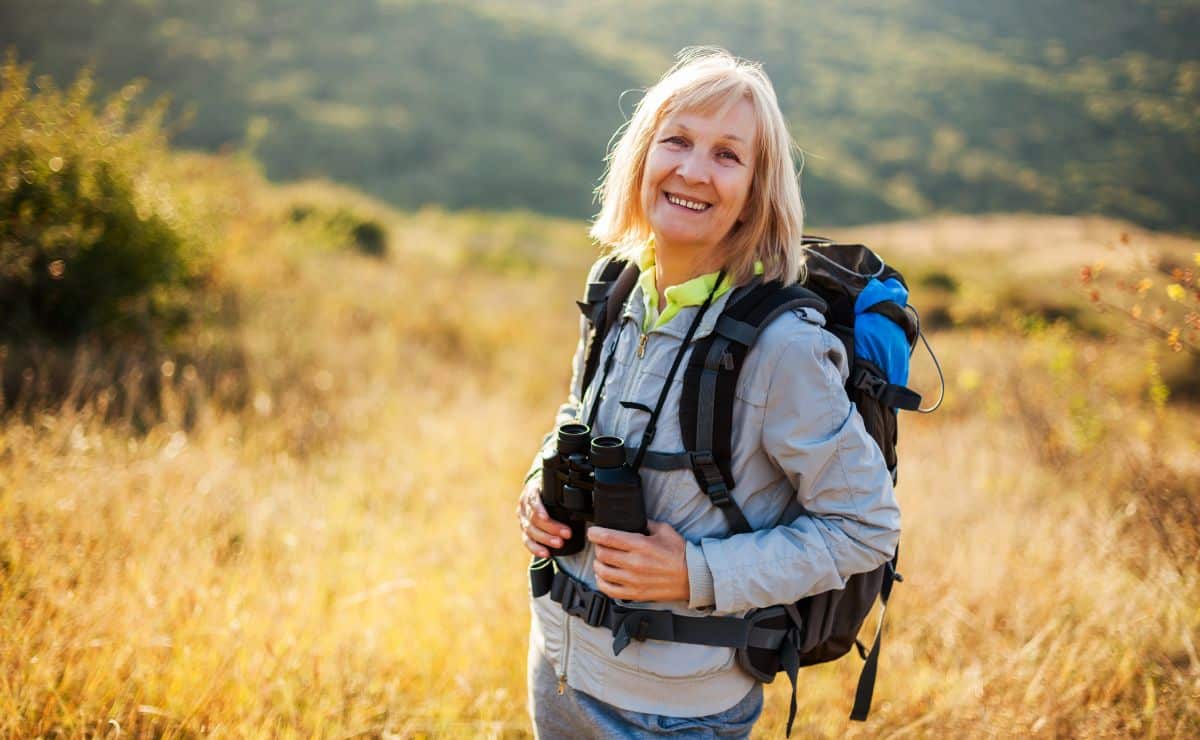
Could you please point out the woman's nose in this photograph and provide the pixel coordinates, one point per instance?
(693, 169)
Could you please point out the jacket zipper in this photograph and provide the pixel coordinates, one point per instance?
(566, 655)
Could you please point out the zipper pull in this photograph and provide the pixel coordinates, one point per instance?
(641, 350)
(562, 685)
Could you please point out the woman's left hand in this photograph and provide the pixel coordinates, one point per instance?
(638, 567)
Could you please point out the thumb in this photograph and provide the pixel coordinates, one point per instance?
(659, 528)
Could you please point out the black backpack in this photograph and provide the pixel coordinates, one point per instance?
(824, 626)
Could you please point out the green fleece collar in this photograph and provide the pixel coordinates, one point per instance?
(690, 293)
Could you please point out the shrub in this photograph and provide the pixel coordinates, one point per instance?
(1161, 297)
(341, 225)
(93, 238)
(938, 280)
(370, 238)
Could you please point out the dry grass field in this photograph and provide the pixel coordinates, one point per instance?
(338, 557)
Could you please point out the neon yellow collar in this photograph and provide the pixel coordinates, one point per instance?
(690, 293)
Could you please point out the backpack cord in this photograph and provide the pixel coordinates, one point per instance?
(652, 425)
(936, 364)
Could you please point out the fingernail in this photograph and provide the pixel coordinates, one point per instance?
(557, 542)
(565, 532)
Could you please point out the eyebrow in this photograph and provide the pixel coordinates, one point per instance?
(731, 137)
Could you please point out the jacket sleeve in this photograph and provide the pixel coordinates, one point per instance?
(849, 521)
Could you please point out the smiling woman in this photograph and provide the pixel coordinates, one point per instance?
(712, 130)
(653, 557)
(697, 183)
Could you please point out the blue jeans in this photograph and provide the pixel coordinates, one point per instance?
(574, 714)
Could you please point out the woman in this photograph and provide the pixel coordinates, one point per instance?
(701, 192)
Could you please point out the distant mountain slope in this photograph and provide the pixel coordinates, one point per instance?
(928, 106)
(414, 102)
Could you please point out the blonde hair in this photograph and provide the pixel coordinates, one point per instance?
(705, 79)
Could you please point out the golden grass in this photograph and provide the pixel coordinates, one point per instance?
(340, 558)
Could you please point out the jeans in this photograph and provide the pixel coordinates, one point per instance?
(574, 714)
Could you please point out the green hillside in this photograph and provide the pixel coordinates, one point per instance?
(919, 107)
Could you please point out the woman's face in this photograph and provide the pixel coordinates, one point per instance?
(697, 177)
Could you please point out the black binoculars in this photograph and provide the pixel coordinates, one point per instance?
(587, 479)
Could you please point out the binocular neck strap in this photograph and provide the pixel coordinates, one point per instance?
(608, 363)
(652, 425)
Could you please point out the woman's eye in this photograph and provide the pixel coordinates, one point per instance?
(678, 140)
(730, 156)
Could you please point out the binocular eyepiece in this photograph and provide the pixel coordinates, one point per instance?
(587, 479)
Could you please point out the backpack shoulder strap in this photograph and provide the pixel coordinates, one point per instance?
(710, 383)
(609, 284)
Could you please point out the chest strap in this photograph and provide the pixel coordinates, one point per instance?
(629, 623)
(661, 460)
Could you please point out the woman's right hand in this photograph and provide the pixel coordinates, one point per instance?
(539, 530)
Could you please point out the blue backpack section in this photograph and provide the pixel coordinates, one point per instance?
(877, 338)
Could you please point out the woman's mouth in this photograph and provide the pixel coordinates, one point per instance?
(696, 206)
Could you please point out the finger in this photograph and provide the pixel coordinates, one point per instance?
(543, 537)
(543, 520)
(612, 557)
(619, 559)
(535, 548)
(662, 529)
(614, 538)
(614, 575)
(612, 589)
(603, 571)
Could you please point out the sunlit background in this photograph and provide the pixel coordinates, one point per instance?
(287, 298)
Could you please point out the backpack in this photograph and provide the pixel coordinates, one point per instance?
(859, 296)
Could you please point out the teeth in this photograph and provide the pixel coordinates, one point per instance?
(690, 204)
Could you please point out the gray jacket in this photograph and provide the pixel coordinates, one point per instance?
(809, 479)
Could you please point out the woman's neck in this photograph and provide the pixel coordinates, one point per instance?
(674, 266)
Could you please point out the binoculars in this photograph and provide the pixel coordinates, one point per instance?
(587, 479)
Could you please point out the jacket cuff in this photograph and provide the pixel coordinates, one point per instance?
(702, 594)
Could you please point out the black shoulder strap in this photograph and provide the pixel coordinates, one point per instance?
(710, 383)
(601, 306)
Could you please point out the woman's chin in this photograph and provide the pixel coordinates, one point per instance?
(694, 228)
(671, 233)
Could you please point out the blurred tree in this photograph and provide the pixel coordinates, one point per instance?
(92, 238)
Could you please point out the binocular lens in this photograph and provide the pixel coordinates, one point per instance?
(607, 452)
(573, 438)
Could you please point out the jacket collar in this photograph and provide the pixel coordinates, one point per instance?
(635, 310)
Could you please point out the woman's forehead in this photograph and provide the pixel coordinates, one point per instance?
(733, 119)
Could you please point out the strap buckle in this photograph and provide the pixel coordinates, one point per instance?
(870, 383)
(711, 480)
(590, 606)
(719, 494)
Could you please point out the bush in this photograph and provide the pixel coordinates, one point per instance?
(370, 238)
(341, 225)
(93, 239)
